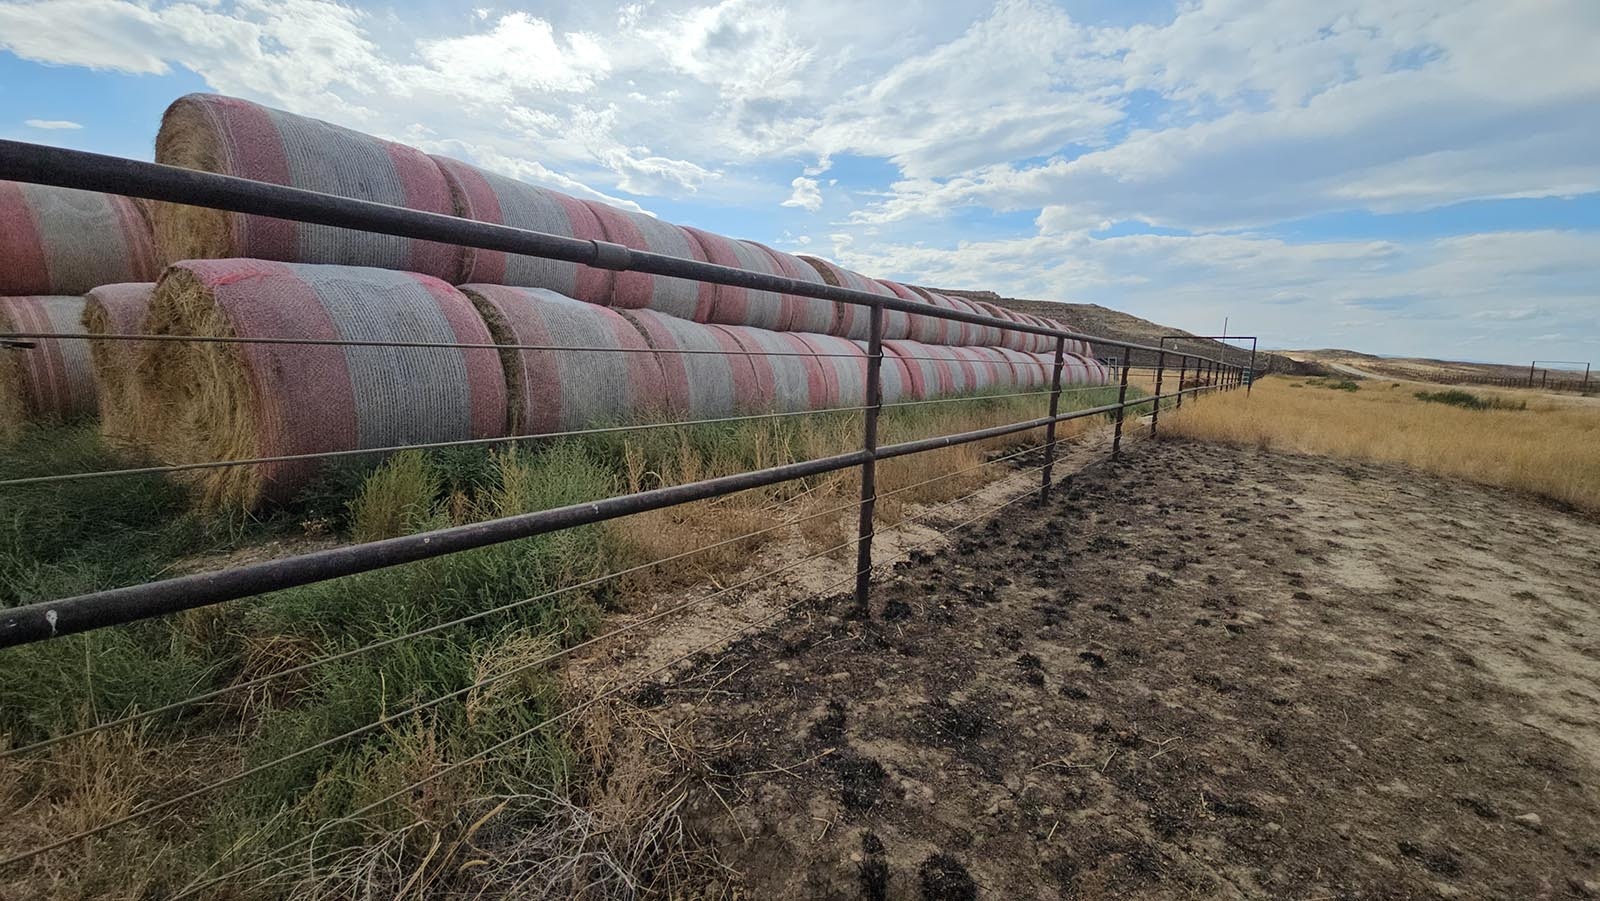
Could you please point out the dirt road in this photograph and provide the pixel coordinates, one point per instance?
(1203, 673)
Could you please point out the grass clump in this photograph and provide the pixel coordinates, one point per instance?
(1469, 401)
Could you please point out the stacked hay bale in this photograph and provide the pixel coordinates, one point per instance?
(51, 379)
(788, 373)
(705, 374)
(122, 309)
(680, 297)
(549, 391)
(733, 305)
(54, 243)
(853, 320)
(234, 401)
(236, 137)
(812, 315)
(487, 197)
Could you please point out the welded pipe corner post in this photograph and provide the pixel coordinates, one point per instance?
(869, 466)
(1161, 371)
(1055, 410)
(1183, 370)
(1122, 406)
(1252, 381)
(1531, 367)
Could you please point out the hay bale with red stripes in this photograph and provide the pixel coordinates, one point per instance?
(230, 136)
(679, 297)
(563, 390)
(855, 320)
(811, 315)
(205, 401)
(488, 197)
(122, 309)
(788, 373)
(50, 380)
(735, 305)
(59, 241)
(705, 374)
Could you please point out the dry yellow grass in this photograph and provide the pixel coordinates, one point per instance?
(1552, 448)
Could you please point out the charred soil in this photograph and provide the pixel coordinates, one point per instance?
(1202, 672)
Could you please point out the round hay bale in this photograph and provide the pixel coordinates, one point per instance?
(1027, 369)
(52, 380)
(790, 383)
(844, 368)
(698, 385)
(948, 331)
(233, 401)
(927, 329)
(920, 374)
(556, 391)
(988, 370)
(58, 241)
(853, 320)
(733, 305)
(488, 197)
(679, 297)
(971, 334)
(117, 310)
(812, 315)
(236, 137)
(895, 377)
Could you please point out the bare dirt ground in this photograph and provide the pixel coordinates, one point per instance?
(1200, 673)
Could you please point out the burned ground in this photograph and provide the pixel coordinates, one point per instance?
(1201, 672)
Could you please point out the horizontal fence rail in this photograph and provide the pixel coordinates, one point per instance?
(1194, 374)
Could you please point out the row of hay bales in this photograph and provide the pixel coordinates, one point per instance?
(494, 376)
(236, 137)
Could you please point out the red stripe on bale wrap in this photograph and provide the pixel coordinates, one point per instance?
(798, 382)
(925, 328)
(58, 241)
(844, 365)
(682, 298)
(240, 138)
(488, 197)
(552, 391)
(57, 380)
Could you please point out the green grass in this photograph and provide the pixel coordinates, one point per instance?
(69, 538)
(1469, 401)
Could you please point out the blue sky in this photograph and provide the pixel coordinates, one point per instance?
(1394, 176)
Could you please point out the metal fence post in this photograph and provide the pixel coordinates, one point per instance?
(869, 467)
(1251, 383)
(1530, 372)
(1122, 406)
(1183, 369)
(1155, 412)
(1055, 410)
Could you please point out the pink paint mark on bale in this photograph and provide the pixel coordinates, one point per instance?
(236, 137)
(681, 298)
(488, 197)
(564, 390)
(57, 380)
(58, 241)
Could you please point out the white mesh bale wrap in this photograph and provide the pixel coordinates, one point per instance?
(844, 365)
(783, 361)
(696, 385)
(733, 305)
(57, 380)
(680, 297)
(853, 320)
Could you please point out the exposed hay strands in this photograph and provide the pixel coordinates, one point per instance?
(237, 137)
(229, 401)
(683, 298)
(487, 197)
(812, 315)
(551, 391)
(788, 383)
(53, 378)
(58, 241)
(698, 385)
(117, 310)
(733, 305)
(854, 321)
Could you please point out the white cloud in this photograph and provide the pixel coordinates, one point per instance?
(52, 124)
(807, 196)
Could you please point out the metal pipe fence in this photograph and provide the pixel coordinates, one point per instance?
(55, 619)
